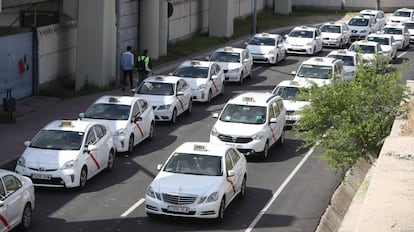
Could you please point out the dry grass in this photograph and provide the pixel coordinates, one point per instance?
(407, 128)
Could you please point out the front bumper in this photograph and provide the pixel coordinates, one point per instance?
(264, 58)
(245, 145)
(163, 115)
(232, 76)
(331, 43)
(299, 49)
(199, 95)
(358, 36)
(68, 178)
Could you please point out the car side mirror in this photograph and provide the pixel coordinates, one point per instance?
(214, 77)
(273, 120)
(133, 90)
(215, 115)
(293, 73)
(136, 119)
(231, 173)
(27, 143)
(92, 147)
(245, 60)
(170, 74)
(207, 58)
(81, 115)
(286, 36)
(180, 93)
(159, 166)
(1, 204)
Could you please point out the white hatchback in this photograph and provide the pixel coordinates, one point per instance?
(350, 61)
(67, 153)
(205, 78)
(267, 48)
(170, 96)
(198, 180)
(304, 40)
(17, 201)
(361, 26)
(131, 119)
(237, 63)
(252, 122)
(367, 49)
(335, 34)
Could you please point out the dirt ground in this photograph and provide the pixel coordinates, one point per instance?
(407, 129)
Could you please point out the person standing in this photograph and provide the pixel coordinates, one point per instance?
(127, 63)
(143, 66)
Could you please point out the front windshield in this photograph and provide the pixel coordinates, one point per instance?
(262, 41)
(366, 49)
(409, 25)
(348, 60)
(315, 71)
(58, 140)
(290, 93)
(194, 164)
(301, 34)
(229, 57)
(108, 112)
(359, 22)
(156, 88)
(392, 31)
(244, 114)
(192, 72)
(331, 29)
(380, 40)
(401, 13)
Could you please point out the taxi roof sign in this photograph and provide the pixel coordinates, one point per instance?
(195, 62)
(65, 123)
(248, 99)
(113, 99)
(159, 78)
(228, 49)
(199, 147)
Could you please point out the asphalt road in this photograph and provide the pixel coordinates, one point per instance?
(288, 192)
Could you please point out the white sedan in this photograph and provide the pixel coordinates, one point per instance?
(267, 48)
(205, 78)
(170, 96)
(236, 63)
(17, 201)
(335, 34)
(198, 180)
(67, 153)
(130, 119)
(387, 43)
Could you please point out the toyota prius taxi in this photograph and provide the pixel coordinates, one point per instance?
(198, 180)
(67, 153)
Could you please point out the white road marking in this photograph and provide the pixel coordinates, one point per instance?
(279, 190)
(132, 208)
(402, 54)
(256, 68)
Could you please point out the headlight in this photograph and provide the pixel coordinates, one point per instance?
(164, 107)
(120, 132)
(150, 192)
(258, 136)
(70, 164)
(202, 199)
(236, 70)
(213, 197)
(214, 132)
(21, 162)
(201, 87)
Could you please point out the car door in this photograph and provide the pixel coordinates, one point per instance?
(12, 202)
(185, 96)
(230, 188)
(237, 168)
(136, 124)
(103, 149)
(214, 80)
(90, 157)
(281, 48)
(347, 33)
(318, 38)
(145, 115)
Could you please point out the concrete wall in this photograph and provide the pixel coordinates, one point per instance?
(57, 51)
(387, 5)
(128, 25)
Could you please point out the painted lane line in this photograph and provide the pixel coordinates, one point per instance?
(256, 68)
(132, 208)
(402, 54)
(279, 190)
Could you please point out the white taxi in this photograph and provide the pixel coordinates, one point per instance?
(252, 122)
(304, 40)
(377, 14)
(400, 34)
(67, 153)
(288, 91)
(236, 63)
(205, 78)
(410, 26)
(367, 49)
(387, 43)
(169, 96)
(131, 119)
(319, 70)
(17, 201)
(350, 61)
(267, 48)
(335, 34)
(361, 26)
(401, 15)
(198, 180)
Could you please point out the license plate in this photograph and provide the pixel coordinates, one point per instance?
(178, 209)
(42, 176)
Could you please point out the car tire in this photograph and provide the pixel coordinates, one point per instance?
(281, 140)
(151, 131)
(250, 76)
(111, 160)
(210, 94)
(151, 215)
(174, 116)
(341, 44)
(266, 150)
(243, 187)
(190, 107)
(83, 178)
(26, 217)
(241, 78)
(220, 216)
(131, 144)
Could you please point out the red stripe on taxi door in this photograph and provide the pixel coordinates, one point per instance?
(181, 103)
(215, 86)
(232, 184)
(4, 221)
(94, 160)
(140, 130)
(273, 133)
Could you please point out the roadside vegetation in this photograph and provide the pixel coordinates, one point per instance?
(65, 86)
(350, 119)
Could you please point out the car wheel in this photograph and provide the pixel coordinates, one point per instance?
(111, 160)
(281, 139)
(26, 217)
(243, 188)
(266, 150)
(220, 216)
(190, 107)
(83, 177)
(209, 96)
(276, 60)
(151, 131)
(150, 215)
(131, 144)
(341, 44)
(174, 116)
(250, 76)
(314, 50)
(241, 78)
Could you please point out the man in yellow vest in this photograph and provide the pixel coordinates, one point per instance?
(143, 66)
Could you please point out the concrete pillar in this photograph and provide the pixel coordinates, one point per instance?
(163, 42)
(150, 27)
(282, 6)
(96, 43)
(70, 7)
(220, 18)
